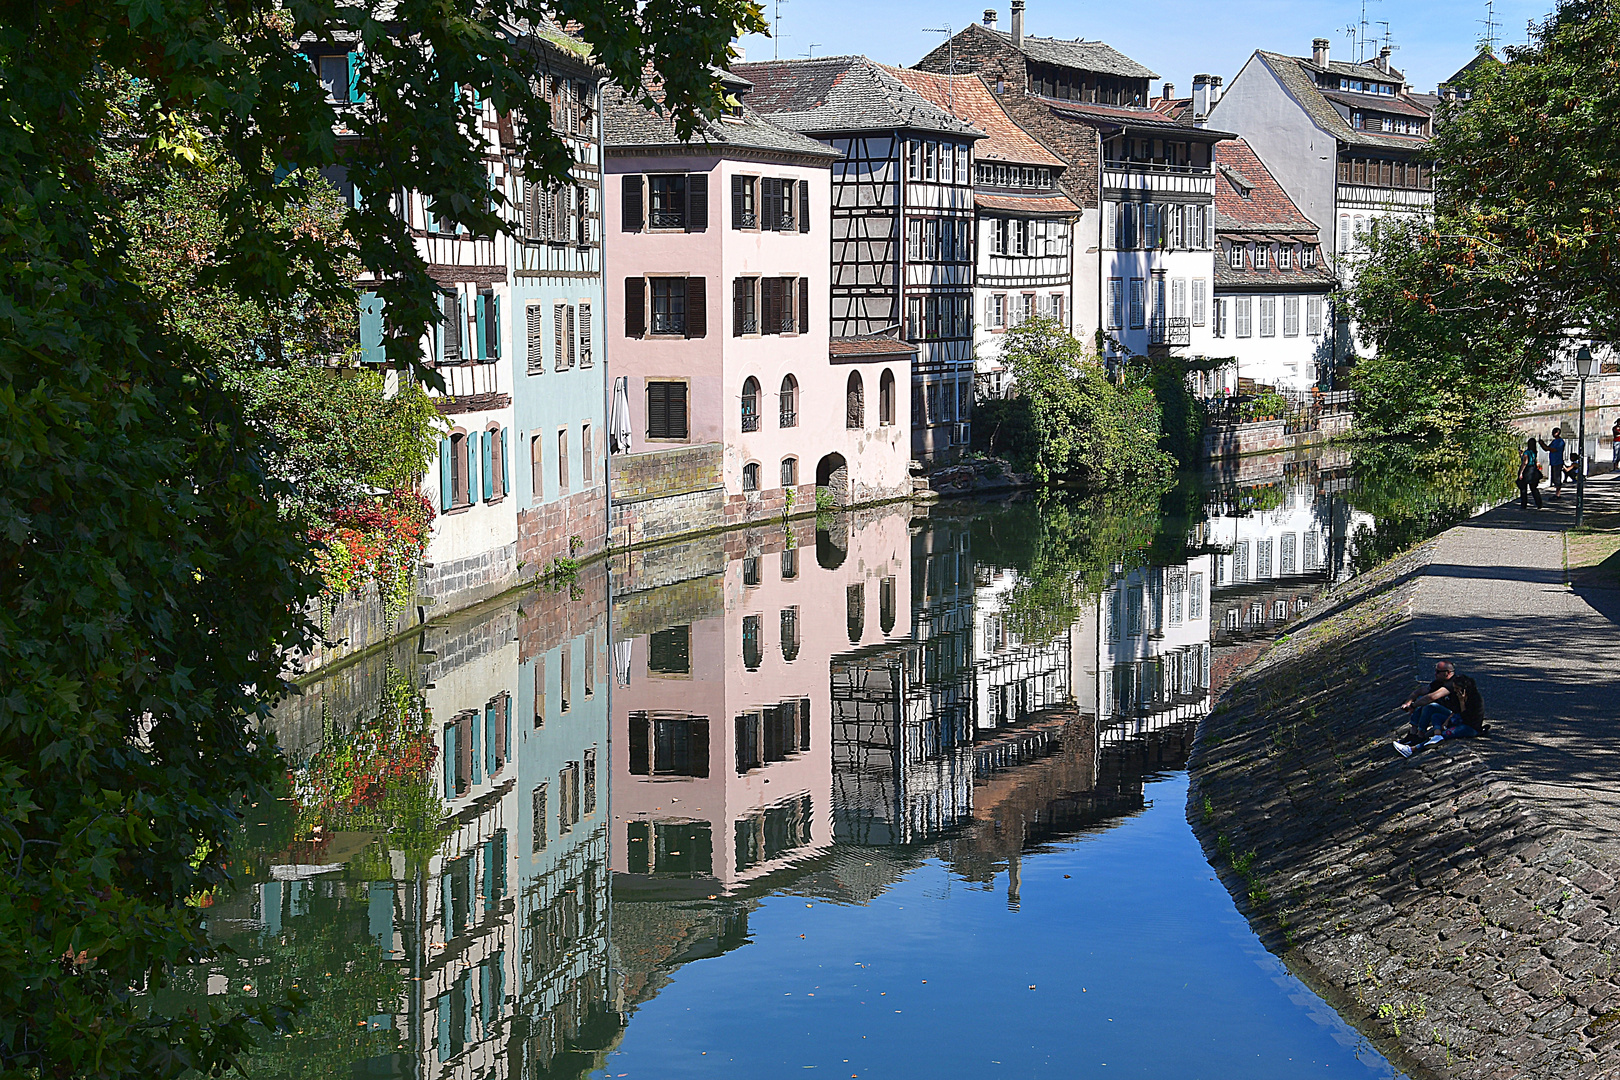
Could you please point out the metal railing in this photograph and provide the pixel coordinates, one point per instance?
(1170, 332)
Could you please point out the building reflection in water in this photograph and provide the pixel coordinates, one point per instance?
(564, 799)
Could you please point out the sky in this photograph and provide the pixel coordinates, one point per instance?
(1176, 38)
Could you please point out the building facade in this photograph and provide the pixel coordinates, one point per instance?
(901, 223)
(1273, 287)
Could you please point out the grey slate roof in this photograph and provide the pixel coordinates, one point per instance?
(843, 93)
(1081, 54)
(627, 124)
(1291, 72)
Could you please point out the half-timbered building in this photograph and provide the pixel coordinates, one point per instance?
(1144, 180)
(1345, 140)
(718, 323)
(901, 222)
(1024, 229)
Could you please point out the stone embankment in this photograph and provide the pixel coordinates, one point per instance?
(1453, 907)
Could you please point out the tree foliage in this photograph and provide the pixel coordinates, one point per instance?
(1468, 310)
(150, 580)
(1085, 427)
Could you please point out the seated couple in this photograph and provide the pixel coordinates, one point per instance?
(1452, 709)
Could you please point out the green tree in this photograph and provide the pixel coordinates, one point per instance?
(1084, 426)
(1523, 247)
(150, 582)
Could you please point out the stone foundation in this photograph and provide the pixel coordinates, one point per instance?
(574, 527)
(452, 585)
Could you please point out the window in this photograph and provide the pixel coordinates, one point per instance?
(744, 309)
(668, 305)
(562, 333)
(495, 462)
(536, 477)
(540, 692)
(1290, 316)
(790, 631)
(1220, 317)
(1313, 315)
(790, 472)
(788, 403)
(590, 781)
(452, 327)
(750, 476)
(565, 678)
(587, 455)
(753, 654)
(668, 744)
(995, 311)
(750, 404)
(1260, 251)
(1285, 256)
(1242, 313)
(562, 460)
(886, 398)
(669, 652)
(538, 829)
(1026, 307)
(1199, 290)
(1116, 303)
(1268, 316)
(1307, 257)
(1138, 303)
(854, 402)
(1178, 298)
(535, 351)
(666, 410)
(584, 323)
(744, 215)
(1344, 232)
(459, 463)
(855, 610)
(777, 295)
(776, 203)
(667, 199)
(1234, 256)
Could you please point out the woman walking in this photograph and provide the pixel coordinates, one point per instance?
(1529, 475)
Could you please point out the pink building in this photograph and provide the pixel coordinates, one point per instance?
(718, 293)
(727, 774)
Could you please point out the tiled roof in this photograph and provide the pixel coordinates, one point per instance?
(1248, 198)
(629, 124)
(1396, 106)
(968, 99)
(843, 93)
(1483, 58)
(1364, 70)
(1079, 54)
(1177, 109)
(1295, 279)
(1026, 204)
(1125, 115)
(1427, 102)
(870, 345)
(1291, 71)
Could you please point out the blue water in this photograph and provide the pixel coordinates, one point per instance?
(1125, 957)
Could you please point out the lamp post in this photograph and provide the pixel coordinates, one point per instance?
(1584, 363)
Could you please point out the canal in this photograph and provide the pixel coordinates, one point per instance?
(896, 793)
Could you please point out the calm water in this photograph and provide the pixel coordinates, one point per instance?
(902, 795)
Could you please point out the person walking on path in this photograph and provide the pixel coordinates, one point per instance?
(1529, 475)
(1452, 709)
(1555, 460)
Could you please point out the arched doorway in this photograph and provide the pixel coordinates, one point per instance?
(832, 473)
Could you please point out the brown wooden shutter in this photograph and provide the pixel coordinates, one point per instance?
(804, 305)
(700, 748)
(697, 203)
(632, 202)
(737, 195)
(804, 206)
(739, 305)
(697, 314)
(635, 307)
(770, 305)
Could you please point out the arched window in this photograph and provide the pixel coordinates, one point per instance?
(790, 402)
(886, 398)
(790, 472)
(855, 399)
(790, 634)
(497, 461)
(751, 476)
(750, 404)
(855, 610)
(458, 469)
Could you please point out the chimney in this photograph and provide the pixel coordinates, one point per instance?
(1201, 97)
(1319, 52)
(1169, 92)
(1018, 24)
(990, 17)
(1383, 59)
(1215, 82)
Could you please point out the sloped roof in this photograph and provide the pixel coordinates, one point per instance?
(1249, 199)
(970, 100)
(1395, 106)
(627, 124)
(1318, 278)
(1291, 72)
(1131, 116)
(1056, 203)
(869, 345)
(843, 93)
(1078, 53)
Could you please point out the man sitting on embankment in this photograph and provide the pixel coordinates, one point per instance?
(1452, 709)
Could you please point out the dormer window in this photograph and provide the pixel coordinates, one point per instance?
(1260, 256)
(1285, 256)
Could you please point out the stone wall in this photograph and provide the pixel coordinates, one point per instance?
(460, 583)
(549, 616)
(340, 698)
(664, 493)
(571, 528)
(355, 623)
(1466, 937)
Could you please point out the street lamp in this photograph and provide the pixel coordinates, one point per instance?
(1584, 365)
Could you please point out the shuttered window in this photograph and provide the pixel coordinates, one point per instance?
(804, 305)
(585, 359)
(1198, 301)
(666, 410)
(535, 338)
(743, 212)
(697, 316)
(569, 335)
(804, 206)
(630, 200)
(450, 306)
(559, 336)
(635, 307)
(697, 202)
(744, 314)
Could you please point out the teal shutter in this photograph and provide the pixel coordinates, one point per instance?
(477, 762)
(354, 78)
(494, 327)
(429, 221)
(447, 493)
(489, 471)
(472, 467)
(481, 315)
(506, 469)
(371, 329)
(450, 761)
(490, 765)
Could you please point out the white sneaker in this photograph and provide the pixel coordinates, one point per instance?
(1435, 740)
(1402, 749)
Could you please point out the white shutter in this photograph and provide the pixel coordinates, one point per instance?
(1198, 301)
(585, 335)
(569, 334)
(536, 339)
(559, 320)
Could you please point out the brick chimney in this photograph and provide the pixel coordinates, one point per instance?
(990, 17)
(1383, 59)
(1018, 24)
(1319, 52)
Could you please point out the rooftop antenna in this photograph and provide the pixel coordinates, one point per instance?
(950, 61)
(776, 31)
(1488, 39)
(812, 53)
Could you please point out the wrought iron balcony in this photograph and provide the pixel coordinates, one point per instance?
(1170, 332)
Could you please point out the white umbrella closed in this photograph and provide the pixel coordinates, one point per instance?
(619, 417)
(621, 661)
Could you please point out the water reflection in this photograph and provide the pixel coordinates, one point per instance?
(505, 838)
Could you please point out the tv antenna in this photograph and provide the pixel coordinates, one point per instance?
(812, 51)
(776, 31)
(950, 61)
(1488, 39)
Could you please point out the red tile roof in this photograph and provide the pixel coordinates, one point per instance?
(870, 345)
(1248, 198)
(1033, 204)
(968, 98)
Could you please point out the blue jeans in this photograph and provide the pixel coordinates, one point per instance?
(1433, 715)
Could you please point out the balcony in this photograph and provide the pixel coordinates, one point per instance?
(1171, 332)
